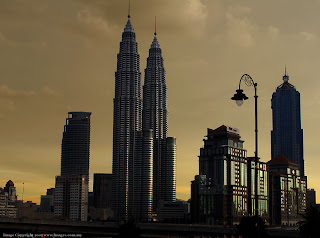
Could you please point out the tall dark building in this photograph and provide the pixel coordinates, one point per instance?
(76, 144)
(132, 155)
(102, 190)
(195, 200)
(155, 118)
(71, 189)
(287, 135)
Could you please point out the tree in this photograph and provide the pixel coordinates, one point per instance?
(310, 228)
(252, 227)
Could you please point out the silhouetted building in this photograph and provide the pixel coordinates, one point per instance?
(287, 192)
(47, 201)
(287, 135)
(132, 147)
(173, 212)
(311, 198)
(127, 126)
(102, 190)
(75, 144)
(90, 199)
(71, 190)
(195, 200)
(50, 191)
(11, 190)
(155, 118)
(224, 189)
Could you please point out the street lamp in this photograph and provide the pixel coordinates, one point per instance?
(239, 97)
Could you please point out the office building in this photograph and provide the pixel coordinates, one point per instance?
(11, 190)
(47, 201)
(287, 135)
(262, 187)
(195, 200)
(8, 199)
(155, 118)
(71, 190)
(102, 190)
(311, 198)
(71, 197)
(75, 147)
(173, 212)
(127, 132)
(226, 192)
(287, 192)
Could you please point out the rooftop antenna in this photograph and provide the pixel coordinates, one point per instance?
(22, 191)
(155, 25)
(129, 10)
(285, 70)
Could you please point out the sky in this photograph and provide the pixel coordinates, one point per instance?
(60, 56)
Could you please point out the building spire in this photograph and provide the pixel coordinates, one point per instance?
(129, 10)
(155, 43)
(285, 77)
(155, 25)
(285, 70)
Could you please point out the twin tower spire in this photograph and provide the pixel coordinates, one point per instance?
(144, 157)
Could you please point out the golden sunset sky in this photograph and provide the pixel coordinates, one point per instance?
(58, 56)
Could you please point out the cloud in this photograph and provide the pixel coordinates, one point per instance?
(93, 20)
(196, 14)
(50, 92)
(240, 30)
(308, 36)
(20, 43)
(5, 91)
(273, 32)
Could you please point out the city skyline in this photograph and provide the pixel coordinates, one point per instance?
(59, 57)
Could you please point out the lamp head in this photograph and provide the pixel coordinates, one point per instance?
(239, 97)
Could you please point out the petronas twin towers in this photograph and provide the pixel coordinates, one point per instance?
(144, 158)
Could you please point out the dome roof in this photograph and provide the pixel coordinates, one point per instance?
(10, 184)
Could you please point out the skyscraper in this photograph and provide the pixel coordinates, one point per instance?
(127, 127)
(155, 118)
(71, 190)
(287, 135)
(75, 144)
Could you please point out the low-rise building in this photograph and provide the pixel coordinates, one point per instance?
(71, 197)
(287, 192)
(225, 188)
(8, 199)
(173, 212)
(47, 201)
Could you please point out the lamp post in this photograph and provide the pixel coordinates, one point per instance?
(239, 97)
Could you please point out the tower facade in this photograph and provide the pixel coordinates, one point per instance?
(128, 140)
(224, 190)
(287, 135)
(155, 118)
(71, 189)
(102, 185)
(287, 192)
(75, 146)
